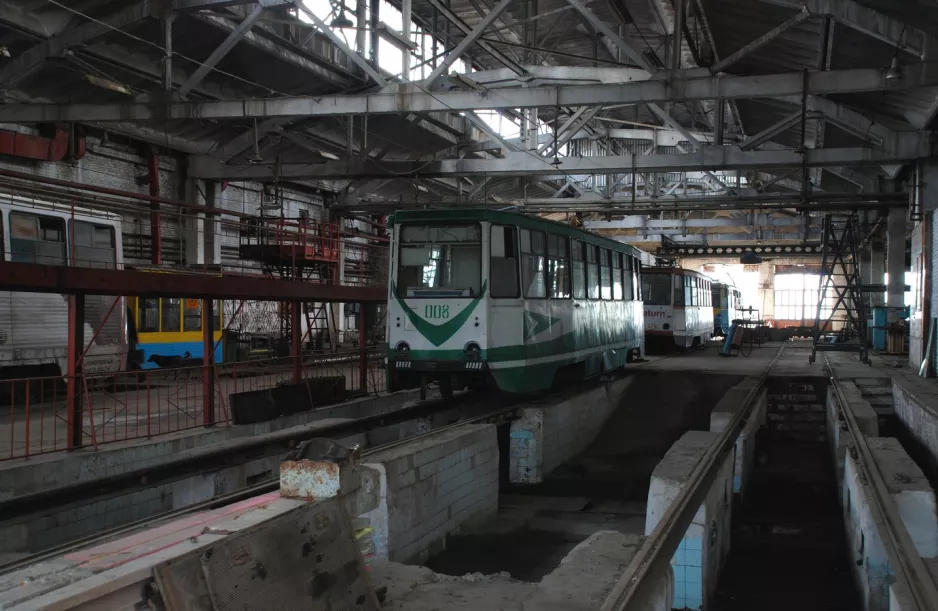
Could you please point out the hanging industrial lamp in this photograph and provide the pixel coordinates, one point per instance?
(894, 72)
(255, 157)
(341, 20)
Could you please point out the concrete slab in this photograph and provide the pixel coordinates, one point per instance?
(911, 492)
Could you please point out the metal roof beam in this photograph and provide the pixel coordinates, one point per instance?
(867, 20)
(760, 42)
(454, 19)
(335, 39)
(677, 87)
(773, 130)
(470, 39)
(708, 158)
(198, 5)
(268, 43)
(56, 46)
(221, 51)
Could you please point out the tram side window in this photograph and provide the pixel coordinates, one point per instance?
(558, 266)
(148, 315)
(605, 273)
(617, 276)
(94, 246)
(170, 308)
(627, 286)
(579, 270)
(638, 291)
(37, 239)
(592, 271)
(680, 290)
(533, 250)
(503, 272)
(192, 315)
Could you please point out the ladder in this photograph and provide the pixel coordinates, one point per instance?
(840, 321)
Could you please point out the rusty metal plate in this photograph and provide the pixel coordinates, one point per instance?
(304, 559)
(182, 584)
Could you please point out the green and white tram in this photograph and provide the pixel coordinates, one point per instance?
(479, 296)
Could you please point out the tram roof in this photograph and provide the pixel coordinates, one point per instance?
(509, 218)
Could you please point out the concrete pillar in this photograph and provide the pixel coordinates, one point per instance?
(193, 246)
(895, 257)
(875, 272)
(211, 236)
(766, 294)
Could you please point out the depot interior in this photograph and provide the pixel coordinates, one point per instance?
(197, 202)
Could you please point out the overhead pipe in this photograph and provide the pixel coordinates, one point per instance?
(41, 148)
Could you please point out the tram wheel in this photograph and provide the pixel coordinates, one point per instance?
(446, 387)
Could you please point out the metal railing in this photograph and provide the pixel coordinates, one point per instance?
(35, 416)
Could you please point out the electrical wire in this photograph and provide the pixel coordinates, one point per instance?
(255, 84)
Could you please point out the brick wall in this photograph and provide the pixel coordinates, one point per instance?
(434, 487)
(549, 433)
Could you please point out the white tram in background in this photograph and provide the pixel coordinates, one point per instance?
(678, 307)
(34, 326)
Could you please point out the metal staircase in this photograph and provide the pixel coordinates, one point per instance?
(840, 321)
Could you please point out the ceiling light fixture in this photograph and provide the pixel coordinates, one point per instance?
(255, 157)
(894, 72)
(341, 20)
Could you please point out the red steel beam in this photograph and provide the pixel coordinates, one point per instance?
(72, 280)
(208, 354)
(73, 392)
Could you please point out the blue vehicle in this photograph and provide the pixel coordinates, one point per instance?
(727, 302)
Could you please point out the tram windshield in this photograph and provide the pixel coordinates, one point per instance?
(440, 261)
(656, 289)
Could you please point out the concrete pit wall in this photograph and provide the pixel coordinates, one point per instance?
(51, 471)
(697, 562)
(916, 405)
(908, 488)
(61, 524)
(551, 432)
(433, 487)
(837, 433)
(745, 449)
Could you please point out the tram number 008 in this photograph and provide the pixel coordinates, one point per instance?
(436, 311)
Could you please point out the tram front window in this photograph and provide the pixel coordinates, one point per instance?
(656, 289)
(440, 261)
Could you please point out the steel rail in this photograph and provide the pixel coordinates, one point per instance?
(220, 501)
(911, 574)
(655, 554)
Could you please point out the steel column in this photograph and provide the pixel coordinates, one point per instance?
(156, 231)
(74, 378)
(208, 361)
(296, 335)
(363, 353)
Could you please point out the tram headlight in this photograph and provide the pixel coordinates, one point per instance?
(403, 348)
(473, 351)
(665, 326)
